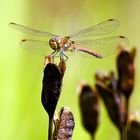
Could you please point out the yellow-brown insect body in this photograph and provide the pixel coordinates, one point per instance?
(57, 43)
(67, 44)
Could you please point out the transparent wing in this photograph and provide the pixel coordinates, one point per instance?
(102, 28)
(69, 53)
(30, 31)
(100, 47)
(36, 46)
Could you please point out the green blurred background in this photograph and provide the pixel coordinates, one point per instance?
(22, 115)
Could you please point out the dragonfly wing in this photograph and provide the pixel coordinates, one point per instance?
(69, 53)
(101, 47)
(30, 31)
(102, 28)
(36, 46)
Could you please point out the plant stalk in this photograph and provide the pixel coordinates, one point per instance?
(50, 128)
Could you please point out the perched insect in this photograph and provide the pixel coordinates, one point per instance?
(80, 41)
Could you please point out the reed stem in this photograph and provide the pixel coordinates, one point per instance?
(50, 128)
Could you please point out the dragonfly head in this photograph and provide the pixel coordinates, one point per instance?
(53, 43)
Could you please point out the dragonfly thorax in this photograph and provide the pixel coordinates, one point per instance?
(56, 43)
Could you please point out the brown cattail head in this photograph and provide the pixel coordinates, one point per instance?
(89, 107)
(133, 126)
(126, 71)
(62, 67)
(64, 125)
(107, 89)
(133, 130)
(52, 82)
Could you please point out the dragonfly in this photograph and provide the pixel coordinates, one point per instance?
(83, 41)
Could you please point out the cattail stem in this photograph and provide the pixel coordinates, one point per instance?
(50, 128)
(121, 136)
(127, 112)
(127, 108)
(123, 132)
(92, 137)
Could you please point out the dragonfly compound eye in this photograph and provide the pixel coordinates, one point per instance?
(53, 44)
(52, 40)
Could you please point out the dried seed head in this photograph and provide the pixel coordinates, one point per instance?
(52, 82)
(126, 71)
(107, 89)
(133, 53)
(134, 116)
(89, 107)
(62, 67)
(80, 86)
(133, 130)
(64, 125)
(133, 126)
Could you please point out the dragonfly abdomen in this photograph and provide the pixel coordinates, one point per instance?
(91, 52)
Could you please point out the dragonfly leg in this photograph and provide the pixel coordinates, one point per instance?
(63, 56)
(50, 58)
(54, 53)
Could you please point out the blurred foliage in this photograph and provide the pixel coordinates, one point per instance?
(22, 116)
